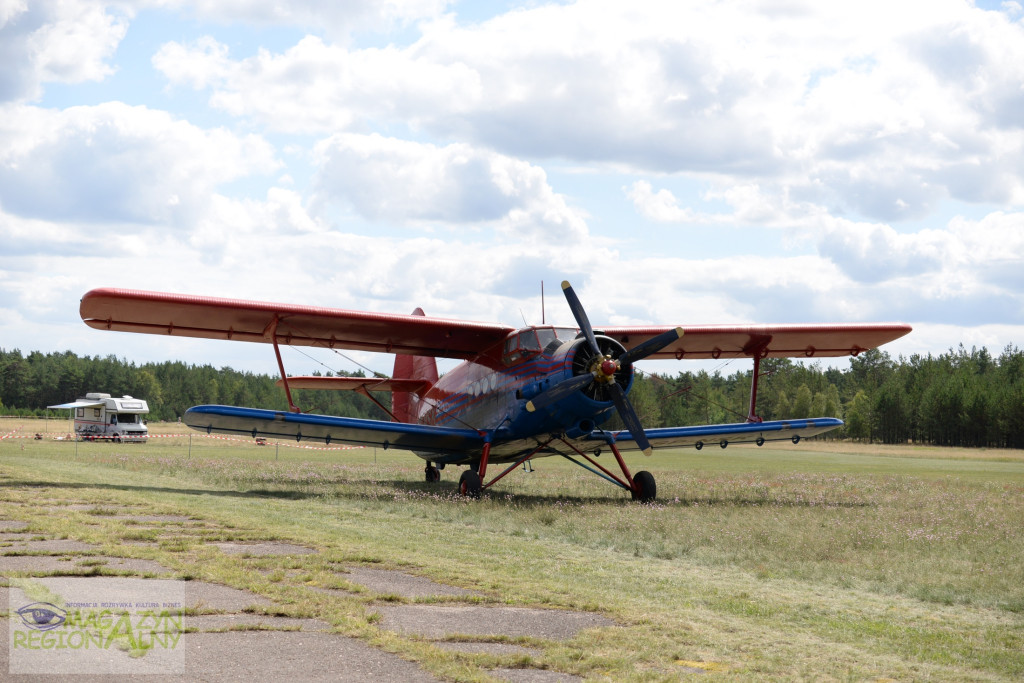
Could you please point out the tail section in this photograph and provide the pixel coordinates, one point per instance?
(406, 405)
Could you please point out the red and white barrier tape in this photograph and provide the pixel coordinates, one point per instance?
(130, 439)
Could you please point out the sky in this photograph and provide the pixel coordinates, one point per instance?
(757, 161)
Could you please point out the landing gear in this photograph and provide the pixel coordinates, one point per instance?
(432, 474)
(645, 491)
(469, 484)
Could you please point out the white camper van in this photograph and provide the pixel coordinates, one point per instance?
(98, 416)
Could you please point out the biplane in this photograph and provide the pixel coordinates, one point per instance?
(519, 394)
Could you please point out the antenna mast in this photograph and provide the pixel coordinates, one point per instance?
(543, 320)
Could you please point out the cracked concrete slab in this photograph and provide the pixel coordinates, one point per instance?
(50, 546)
(499, 649)
(78, 564)
(192, 594)
(253, 622)
(533, 676)
(39, 563)
(263, 549)
(443, 621)
(233, 655)
(393, 582)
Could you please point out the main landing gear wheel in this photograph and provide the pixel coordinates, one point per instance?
(469, 484)
(646, 491)
(432, 474)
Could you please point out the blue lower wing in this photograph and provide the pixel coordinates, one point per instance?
(276, 424)
(741, 432)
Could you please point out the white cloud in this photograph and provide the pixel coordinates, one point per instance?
(57, 42)
(116, 163)
(403, 182)
(859, 108)
(336, 18)
(318, 87)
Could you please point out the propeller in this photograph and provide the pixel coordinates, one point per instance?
(602, 369)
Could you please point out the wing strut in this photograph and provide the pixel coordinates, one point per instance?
(280, 365)
(758, 352)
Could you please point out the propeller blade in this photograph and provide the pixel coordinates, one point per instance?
(652, 345)
(629, 417)
(581, 316)
(558, 392)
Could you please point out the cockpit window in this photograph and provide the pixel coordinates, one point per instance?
(533, 340)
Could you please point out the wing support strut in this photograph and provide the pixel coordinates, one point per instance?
(758, 352)
(626, 482)
(366, 392)
(517, 463)
(272, 329)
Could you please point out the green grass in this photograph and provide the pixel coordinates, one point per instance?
(818, 561)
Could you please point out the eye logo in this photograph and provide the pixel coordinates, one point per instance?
(42, 616)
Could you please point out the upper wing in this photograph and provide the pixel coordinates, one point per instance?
(360, 384)
(253, 321)
(768, 341)
(327, 429)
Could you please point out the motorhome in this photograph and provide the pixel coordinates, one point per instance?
(99, 416)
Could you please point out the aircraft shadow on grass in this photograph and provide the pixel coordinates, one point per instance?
(402, 488)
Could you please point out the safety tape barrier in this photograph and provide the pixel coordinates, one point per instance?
(129, 439)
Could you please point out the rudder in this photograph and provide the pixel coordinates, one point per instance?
(405, 405)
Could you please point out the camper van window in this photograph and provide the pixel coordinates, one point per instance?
(80, 412)
(113, 419)
(95, 412)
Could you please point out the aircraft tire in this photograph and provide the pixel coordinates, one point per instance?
(759, 441)
(647, 490)
(469, 484)
(432, 474)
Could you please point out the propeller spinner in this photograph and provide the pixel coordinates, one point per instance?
(602, 369)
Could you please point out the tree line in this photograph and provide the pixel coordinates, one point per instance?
(958, 398)
(30, 383)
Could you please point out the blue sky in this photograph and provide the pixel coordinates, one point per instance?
(758, 161)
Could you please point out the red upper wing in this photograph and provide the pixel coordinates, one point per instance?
(239, 320)
(769, 341)
(253, 321)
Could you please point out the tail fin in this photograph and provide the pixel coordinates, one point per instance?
(405, 405)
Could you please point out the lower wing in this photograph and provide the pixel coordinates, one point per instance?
(277, 424)
(724, 434)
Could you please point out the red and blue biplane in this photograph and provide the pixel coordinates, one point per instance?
(519, 394)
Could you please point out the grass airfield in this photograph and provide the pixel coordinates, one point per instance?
(818, 561)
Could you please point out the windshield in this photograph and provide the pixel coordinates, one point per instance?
(533, 340)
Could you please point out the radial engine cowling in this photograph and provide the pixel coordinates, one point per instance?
(604, 368)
